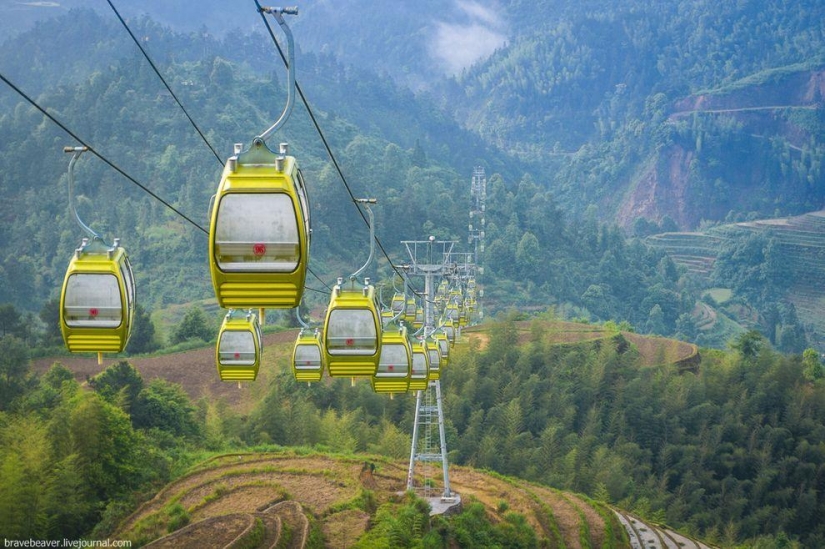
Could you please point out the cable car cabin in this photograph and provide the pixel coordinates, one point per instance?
(308, 357)
(443, 347)
(395, 363)
(418, 321)
(97, 302)
(420, 371)
(434, 353)
(352, 332)
(410, 309)
(452, 312)
(259, 231)
(398, 305)
(463, 317)
(238, 352)
(450, 332)
(443, 286)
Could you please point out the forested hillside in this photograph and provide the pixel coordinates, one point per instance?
(726, 447)
(590, 90)
(548, 240)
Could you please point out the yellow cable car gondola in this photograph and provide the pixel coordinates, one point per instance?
(444, 347)
(239, 348)
(450, 331)
(97, 300)
(451, 312)
(410, 309)
(395, 363)
(259, 231)
(418, 322)
(398, 306)
(352, 326)
(352, 332)
(259, 225)
(419, 373)
(434, 352)
(308, 357)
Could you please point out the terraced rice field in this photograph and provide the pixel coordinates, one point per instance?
(295, 500)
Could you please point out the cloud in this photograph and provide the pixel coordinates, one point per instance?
(478, 12)
(457, 45)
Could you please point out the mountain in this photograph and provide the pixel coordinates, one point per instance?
(650, 116)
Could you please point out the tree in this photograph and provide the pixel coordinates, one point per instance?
(811, 365)
(11, 322)
(50, 317)
(529, 261)
(749, 344)
(193, 326)
(119, 384)
(14, 366)
(164, 405)
(142, 339)
(655, 321)
(419, 157)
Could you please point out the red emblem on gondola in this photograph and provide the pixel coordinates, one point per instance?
(391, 368)
(350, 342)
(93, 312)
(259, 249)
(237, 355)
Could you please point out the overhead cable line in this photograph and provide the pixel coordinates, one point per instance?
(188, 116)
(324, 140)
(115, 167)
(168, 88)
(92, 150)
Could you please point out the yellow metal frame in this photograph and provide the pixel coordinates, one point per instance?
(99, 339)
(417, 382)
(353, 365)
(259, 173)
(231, 372)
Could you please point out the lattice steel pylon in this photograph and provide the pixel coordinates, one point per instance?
(430, 259)
(478, 221)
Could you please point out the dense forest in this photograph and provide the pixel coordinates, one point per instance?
(729, 450)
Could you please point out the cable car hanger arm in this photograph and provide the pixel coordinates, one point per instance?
(76, 152)
(366, 202)
(278, 14)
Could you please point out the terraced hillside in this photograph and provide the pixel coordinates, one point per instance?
(294, 500)
(652, 350)
(800, 243)
(696, 251)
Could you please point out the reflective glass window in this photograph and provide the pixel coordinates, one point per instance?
(351, 331)
(236, 348)
(393, 359)
(257, 232)
(307, 357)
(93, 301)
(419, 365)
(435, 358)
